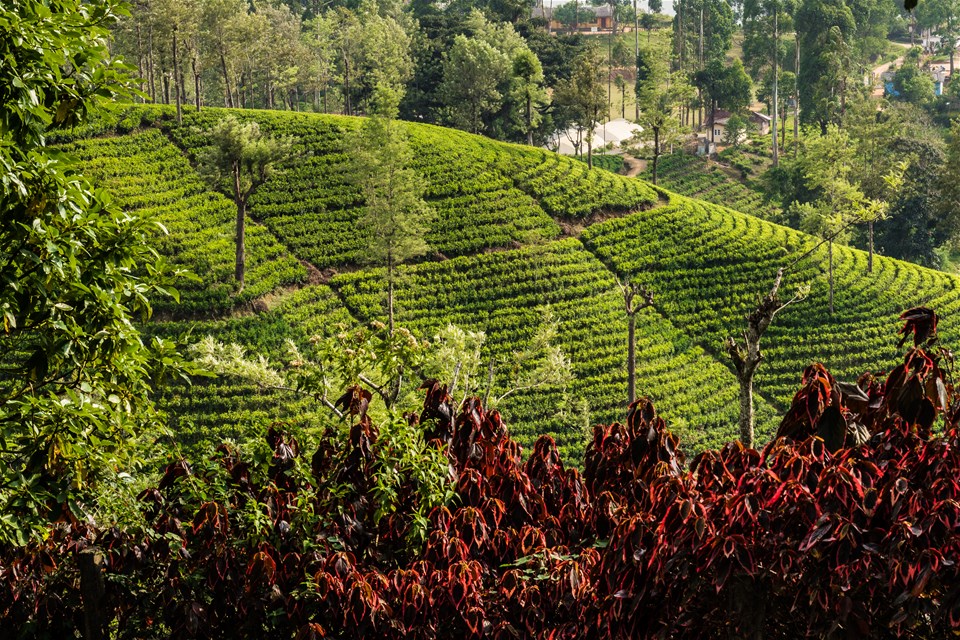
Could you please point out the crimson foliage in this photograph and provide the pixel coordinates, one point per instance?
(808, 537)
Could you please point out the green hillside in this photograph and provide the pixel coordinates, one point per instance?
(502, 252)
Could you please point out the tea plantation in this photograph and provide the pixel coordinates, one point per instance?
(506, 243)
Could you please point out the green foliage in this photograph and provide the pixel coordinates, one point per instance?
(912, 84)
(572, 14)
(148, 176)
(666, 250)
(689, 175)
(584, 96)
(825, 29)
(75, 273)
(396, 217)
(473, 72)
(502, 295)
(725, 86)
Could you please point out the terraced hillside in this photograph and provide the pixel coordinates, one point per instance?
(501, 257)
(695, 177)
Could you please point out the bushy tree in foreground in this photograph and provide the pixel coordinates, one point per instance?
(75, 272)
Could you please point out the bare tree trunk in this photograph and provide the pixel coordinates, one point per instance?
(390, 294)
(656, 152)
(776, 83)
(346, 88)
(796, 100)
(196, 82)
(176, 77)
(747, 357)
(140, 70)
(631, 358)
(830, 272)
(630, 291)
(636, 54)
(226, 80)
(93, 594)
(150, 69)
(746, 421)
(870, 255)
(241, 228)
(529, 119)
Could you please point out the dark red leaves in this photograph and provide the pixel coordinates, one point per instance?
(849, 522)
(921, 322)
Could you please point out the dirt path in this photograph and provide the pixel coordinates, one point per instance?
(883, 68)
(635, 166)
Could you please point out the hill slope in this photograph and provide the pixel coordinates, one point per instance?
(501, 255)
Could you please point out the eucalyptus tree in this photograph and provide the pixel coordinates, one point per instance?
(764, 23)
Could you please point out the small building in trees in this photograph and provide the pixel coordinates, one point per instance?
(760, 125)
(591, 18)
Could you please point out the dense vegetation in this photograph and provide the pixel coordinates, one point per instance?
(797, 539)
(309, 439)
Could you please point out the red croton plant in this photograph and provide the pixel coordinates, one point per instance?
(847, 525)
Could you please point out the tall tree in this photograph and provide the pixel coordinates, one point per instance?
(702, 32)
(396, 217)
(747, 356)
(659, 100)
(725, 86)
(765, 22)
(529, 91)
(584, 94)
(241, 157)
(824, 29)
(473, 71)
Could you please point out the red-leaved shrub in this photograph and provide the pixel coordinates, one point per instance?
(847, 525)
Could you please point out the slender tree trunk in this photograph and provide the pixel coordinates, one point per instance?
(776, 83)
(529, 119)
(700, 56)
(632, 358)
(783, 130)
(226, 79)
(196, 83)
(746, 409)
(93, 593)
(590, 149)
(830, 273)
(140, 70)
(656, 152)
(636, 55)
(241, 228)
(150, 68)
(870, 254)
(576, 16)
(346, 88)
(796, 100)
(713, 120)
(176, 77)
(166, 86)
(390, 293)
(747, 357)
